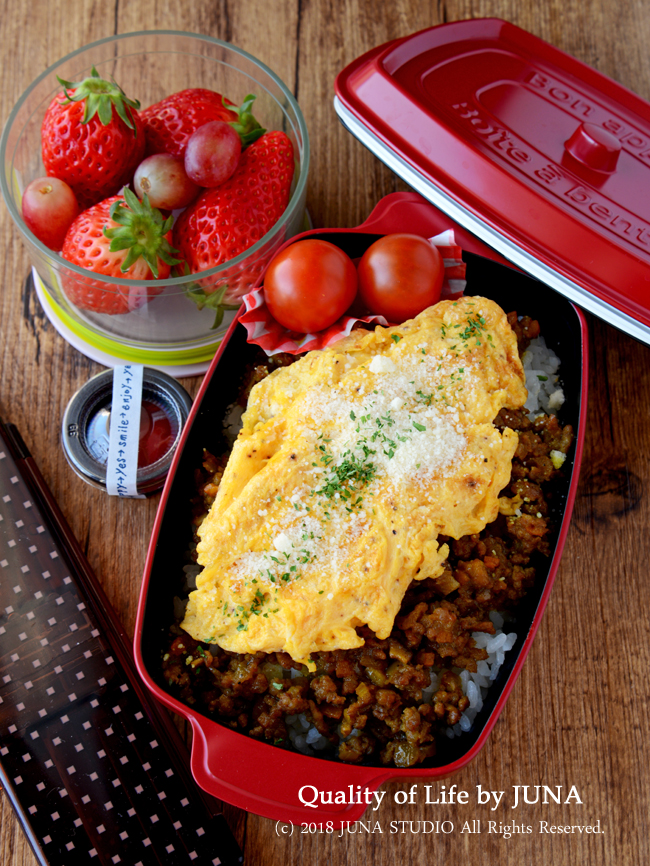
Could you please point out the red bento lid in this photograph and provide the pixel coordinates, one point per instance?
(542, 157)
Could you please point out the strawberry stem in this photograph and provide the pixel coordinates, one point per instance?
(100, 97)
(246, 126)
(209, 300)
(141, 230)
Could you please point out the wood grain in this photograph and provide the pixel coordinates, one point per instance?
(578, 714)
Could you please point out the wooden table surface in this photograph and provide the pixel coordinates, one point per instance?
(578, 715)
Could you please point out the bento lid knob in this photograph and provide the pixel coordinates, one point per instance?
(594, 147)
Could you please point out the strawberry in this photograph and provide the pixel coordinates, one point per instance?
(92, 138)
(228, 219)
(170, 123)
(119, 237)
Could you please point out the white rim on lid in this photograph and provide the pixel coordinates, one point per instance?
(421, 184)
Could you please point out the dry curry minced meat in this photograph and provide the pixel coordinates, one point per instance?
(368, 702)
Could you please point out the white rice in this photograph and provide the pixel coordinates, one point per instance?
(545, 395)
(541, 365)
(304, 737)
(476, 685)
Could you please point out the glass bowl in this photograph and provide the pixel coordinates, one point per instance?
(168, 330)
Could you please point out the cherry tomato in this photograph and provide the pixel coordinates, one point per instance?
(309, 285)
(399, 276)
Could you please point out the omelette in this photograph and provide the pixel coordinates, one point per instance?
(350, 464)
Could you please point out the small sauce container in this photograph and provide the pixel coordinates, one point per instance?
(85, 431)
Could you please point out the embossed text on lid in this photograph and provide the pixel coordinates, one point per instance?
(537, 153)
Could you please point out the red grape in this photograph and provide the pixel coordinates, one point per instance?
(49, 207)
(164, 180)
(212, 153)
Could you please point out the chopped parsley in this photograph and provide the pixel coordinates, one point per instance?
(474, 329)
(348, 477)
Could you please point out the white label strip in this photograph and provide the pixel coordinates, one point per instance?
(124, 438)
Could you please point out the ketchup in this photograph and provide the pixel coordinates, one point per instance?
(156, 434)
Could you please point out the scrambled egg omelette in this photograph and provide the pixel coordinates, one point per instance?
(350, 464)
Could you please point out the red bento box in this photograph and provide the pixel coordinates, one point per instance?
(261, 777)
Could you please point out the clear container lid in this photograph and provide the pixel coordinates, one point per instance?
(542, 157)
